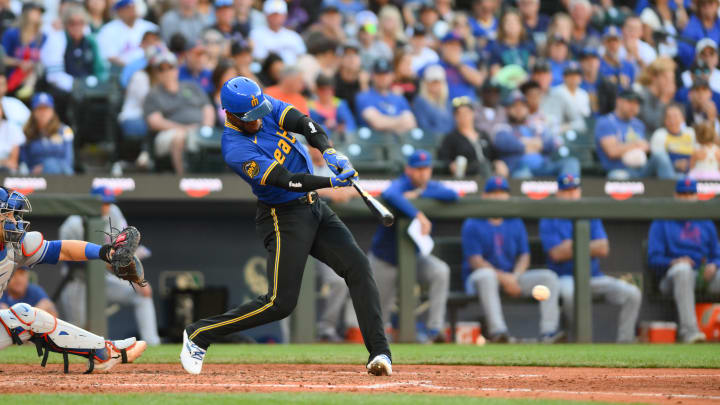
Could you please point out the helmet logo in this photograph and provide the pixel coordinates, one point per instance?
(254, 102)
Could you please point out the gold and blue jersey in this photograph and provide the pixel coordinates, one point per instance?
(255, 156)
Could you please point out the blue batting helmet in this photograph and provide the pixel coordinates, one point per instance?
(245, 99)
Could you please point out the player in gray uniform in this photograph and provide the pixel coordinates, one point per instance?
(72, 300)
(22, 322)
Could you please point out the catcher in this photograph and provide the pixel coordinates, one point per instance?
(21, 322)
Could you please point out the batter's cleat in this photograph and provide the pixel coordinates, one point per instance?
(380, 365)
(191, 355)
(119, 351)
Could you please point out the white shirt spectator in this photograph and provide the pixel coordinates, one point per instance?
(682, 144)
(117, 40)
(284, 42)
(714, 79)
(646, 52)
(426, 57)
(566, 110)
(11, 135)
(137, 89)
(15, 111)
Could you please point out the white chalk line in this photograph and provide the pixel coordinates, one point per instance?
(418, 384)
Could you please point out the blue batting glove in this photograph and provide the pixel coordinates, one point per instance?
(336, 161)
(341, 180)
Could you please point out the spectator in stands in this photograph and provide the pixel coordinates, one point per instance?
(460, 25)
(321, 59)
(329, 25)
(535, 23)
(434, 273)
(558, 54)
(13, 109)
(11, 138)
(612, 66)
(98, 14)
(706, 50)
(704, 23)
(329, 111)
(512, 46)
(49, 145)
(176, 111)
(465, 151)
(275, 37)
(71, 54)
(526, 152)
(381, 109)
(489, 112)
(592, 81)
(483, 22)
(241, 53)
(185, 19)
(431, 107)
(405, 81)
(429, 17)
(685, 254)
(535, 100)
(658, 90)
(496, 257)
(569, 104)
(705, 159)
(462, 76)
(674, 139)
(390, 28)
(621, 145)
(700, 105)
(422, 55)
(195, 67)
(224, 71)
(216, 47)
(22, 46)
(583, 36)
(225, 21)
(556, 235)
(350, 79)
(119, 292)
(151, 42)
(348, 8)
(699, 72)
(370, 46)
(272, 68)
(7, 16)
(634, 49)
(119, 40)
(290, 89)
(541, 74)
(561, 25)
(20, 289)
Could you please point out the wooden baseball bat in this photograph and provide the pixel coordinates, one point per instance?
(380, 211)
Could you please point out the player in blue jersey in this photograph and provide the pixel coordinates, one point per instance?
(293, 223)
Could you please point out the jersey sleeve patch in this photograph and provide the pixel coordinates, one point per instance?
(251, 168)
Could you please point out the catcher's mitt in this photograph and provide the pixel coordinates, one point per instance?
(122, 260)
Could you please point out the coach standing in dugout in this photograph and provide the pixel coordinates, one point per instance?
(686, 255)
(258, 145)
(432, 271)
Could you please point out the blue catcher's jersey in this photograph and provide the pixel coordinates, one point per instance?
(253, 157)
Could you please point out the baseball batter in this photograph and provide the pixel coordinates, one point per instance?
(22, 322)
(293, 223)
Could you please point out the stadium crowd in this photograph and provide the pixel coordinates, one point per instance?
(627, 89)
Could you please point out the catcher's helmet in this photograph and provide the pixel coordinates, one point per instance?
(17, 204)
(243, 98)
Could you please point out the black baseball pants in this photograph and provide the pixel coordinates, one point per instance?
(290, 233)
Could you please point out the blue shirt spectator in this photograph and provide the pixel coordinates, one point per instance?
(431, 106)
(461, 75)
(698, 28)
(21, 290)
(554, 231)
(33, 295)
(49, 145)
(498, 244)
(381, 109)
(625, 130)
(202, 78)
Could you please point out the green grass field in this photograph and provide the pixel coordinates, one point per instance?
(567, 355)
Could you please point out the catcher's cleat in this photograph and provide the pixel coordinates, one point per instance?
(119, 351)
(191, 355)
(380, 365)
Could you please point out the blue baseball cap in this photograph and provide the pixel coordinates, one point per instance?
(420, 158)
(122, 3)
(452, 36)
(496, 183)
(589, 53)
(42, 100)
(568, 181)
(107, 195)
(612, 32)
(686, 185)
(513, 98)
(224, 3)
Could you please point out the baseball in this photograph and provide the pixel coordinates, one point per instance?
(540, 292)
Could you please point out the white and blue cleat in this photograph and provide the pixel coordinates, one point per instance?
(380, 365)
(191, 355)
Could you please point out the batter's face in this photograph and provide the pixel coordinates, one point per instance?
(419, 176)
(247, 127)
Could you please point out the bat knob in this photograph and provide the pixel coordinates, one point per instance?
(388, 220)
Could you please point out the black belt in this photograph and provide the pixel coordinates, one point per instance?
(308, 199)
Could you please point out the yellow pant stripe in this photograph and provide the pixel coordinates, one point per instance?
(282, 116)
(272, 299)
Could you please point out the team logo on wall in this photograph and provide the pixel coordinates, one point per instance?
(198, 188)
(26, 185)
(622, 190)
(537, 190)
(118, 185)
(707, 191)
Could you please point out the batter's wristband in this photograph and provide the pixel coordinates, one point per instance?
(105, 252)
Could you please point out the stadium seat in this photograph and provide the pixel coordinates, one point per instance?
(368, 157)
(208, 158)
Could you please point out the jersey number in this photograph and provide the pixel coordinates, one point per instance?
(283, 147)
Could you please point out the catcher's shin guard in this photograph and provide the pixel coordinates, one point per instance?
(53, 335)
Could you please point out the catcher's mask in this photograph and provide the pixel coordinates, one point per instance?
(13, 207)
